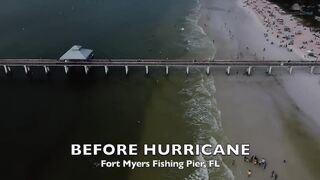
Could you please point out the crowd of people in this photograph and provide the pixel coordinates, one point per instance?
(286, 31)
(259, 162)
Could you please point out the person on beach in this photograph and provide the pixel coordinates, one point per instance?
(249, 173)
(262, 162)
(256, 160)
(245, 158)
(276, 176)
(251, 159)
(272, 174)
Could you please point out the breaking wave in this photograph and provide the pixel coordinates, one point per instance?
(196, 40)
(202, 113)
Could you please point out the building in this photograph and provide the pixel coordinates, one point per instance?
(77, 53)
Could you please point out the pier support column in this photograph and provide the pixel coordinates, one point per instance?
(249, 70)
(147, 70)
(86, 69)
(167, 70)
(290, 69)
(269, 70)
(228, 70)
(106, 69)
(26, 69)
(187, 70)
(6, 69)
(208, 70)
(127, 69)
(66, 69)
(46, 69)
(312, 69)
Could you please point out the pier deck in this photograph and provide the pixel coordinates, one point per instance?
(126, 63)
(155, 62)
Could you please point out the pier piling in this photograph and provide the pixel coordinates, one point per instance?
(290, 69)
(26, 69)
(66, 69)
(86, 69)
(127, 70)
(228, 70)
(46, 69)
(6, 69)
(269, 70)
(249, 70)
(312, 69)
(106, 69)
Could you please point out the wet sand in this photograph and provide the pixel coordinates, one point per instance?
(275, 114)
(258, 111)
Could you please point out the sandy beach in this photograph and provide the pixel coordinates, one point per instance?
(285, 30)
(276, 114)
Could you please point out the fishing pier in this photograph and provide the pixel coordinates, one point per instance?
(249, 65)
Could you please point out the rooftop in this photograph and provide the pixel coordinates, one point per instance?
(76, 52)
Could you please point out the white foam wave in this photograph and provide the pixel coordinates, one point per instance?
(200, 173)
(203, 114)
(198, 43)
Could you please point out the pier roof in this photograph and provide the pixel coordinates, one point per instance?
(77, 53)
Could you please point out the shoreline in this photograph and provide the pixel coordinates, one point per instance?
(279, 108)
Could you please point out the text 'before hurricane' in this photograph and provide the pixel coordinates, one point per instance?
(159, 149)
